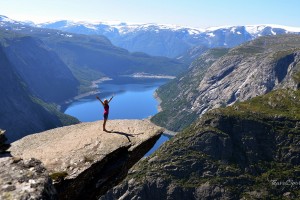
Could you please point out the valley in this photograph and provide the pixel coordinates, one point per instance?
(231, 94)
(56, 67)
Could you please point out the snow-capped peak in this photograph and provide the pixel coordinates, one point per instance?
(6, 19)
(255, 29)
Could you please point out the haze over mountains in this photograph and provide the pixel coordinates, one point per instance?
(169, 40)
(162, 40)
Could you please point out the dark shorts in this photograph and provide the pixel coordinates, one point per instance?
(105, 116)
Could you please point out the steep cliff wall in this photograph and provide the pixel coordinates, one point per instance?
(247, 71)
(45, 74)
(246, 151)
(21, 112)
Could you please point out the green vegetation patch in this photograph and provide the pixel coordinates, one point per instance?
(280, 54)
(278, 179)
(279, 104)
(182, 162)
(6, 36)
(296, 75)
(52, 108)
(266, 44)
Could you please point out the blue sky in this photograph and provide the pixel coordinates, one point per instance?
(192, 13)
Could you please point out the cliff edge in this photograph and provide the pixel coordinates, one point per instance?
(85, 161)
(249, 150)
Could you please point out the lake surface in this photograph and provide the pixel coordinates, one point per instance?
(133, 100)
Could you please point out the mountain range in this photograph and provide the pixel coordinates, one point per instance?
(169, 40)
(162, 40)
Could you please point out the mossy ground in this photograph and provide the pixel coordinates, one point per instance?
(58, 176)
(279, 104)
(52, 108)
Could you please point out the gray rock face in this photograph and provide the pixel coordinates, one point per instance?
(24, 179)
(85, 161)
(239, 78)
(247, 71)
(178, 95)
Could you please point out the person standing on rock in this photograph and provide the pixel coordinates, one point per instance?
(106, 110)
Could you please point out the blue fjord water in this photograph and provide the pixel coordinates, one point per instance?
(133, 100)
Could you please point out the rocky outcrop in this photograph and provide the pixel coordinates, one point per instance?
(242, 77)
(24, 179)
(85, 161)
(246, 151)
(177, 95)
(247, 71)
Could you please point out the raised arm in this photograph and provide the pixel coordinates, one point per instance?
(111, 98)
(100, 100)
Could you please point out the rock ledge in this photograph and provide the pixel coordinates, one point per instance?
(86, 161)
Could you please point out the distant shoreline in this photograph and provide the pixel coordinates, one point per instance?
(96, 82)
(159, 109)
(150, 76)
(94, 85)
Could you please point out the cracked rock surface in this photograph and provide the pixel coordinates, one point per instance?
(24, 179)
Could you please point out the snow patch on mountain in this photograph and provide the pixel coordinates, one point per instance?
(256, 29)
(6, 19)
(161, 39)
(210, 34)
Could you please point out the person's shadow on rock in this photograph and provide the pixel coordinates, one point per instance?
(127, 135)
